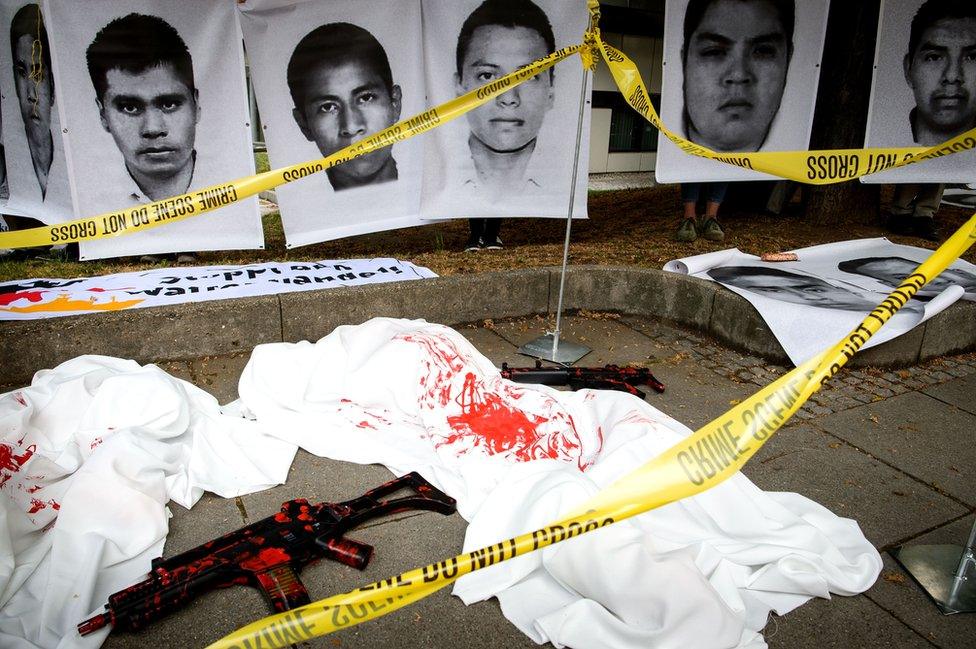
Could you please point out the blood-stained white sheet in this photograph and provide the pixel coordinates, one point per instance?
(90, 453)
(704, 572)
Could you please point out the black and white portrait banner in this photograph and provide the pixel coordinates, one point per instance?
(153, 101)
(924, 87)
(32, 155)
(326, 74)
(738, 77)
(829, 289)
(512, 156)
(31, 299)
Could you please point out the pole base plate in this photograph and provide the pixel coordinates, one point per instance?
(567, 352)
(936, 568)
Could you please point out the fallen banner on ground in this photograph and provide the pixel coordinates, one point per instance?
(31, 299)
(817, 290)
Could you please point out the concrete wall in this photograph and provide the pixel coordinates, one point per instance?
(227, 326)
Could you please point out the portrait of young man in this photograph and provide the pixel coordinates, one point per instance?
(940, 69)
(34, 84)
(154, 105)
(497, 38)
(342, 86)
(142, 74)
(796, 288)
(739, 76)
(891, 271)
(735, 58)
(923, 93)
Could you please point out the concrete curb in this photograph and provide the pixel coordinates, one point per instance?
(227, 326)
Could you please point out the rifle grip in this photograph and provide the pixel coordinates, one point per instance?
(282, 587)
(352, 553)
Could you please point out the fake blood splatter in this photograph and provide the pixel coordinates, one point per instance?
(445, 361)
(10, 462)
(488, 421)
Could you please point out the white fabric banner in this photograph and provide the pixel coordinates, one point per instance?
(37, 176)
(31, 299)
(154, 103)
(514, 155)
(100, 439)
(738, 77)
(355, 68)
(924, 89)
(816, 300)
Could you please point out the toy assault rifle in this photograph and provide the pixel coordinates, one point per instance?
(608, 377)
(266, 554)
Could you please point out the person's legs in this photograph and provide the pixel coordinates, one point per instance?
(710, 229)
(903, 200)
(489, 236)
(902, 208)
(687, 229)
(926, 205)
(780, 196)
(477, 227)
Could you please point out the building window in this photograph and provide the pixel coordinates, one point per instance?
(629, 132)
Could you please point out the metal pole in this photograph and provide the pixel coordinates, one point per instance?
(569, 215)
(965, 558)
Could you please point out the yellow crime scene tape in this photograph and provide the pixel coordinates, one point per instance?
(707, 457)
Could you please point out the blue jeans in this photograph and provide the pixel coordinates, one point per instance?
(714, 192)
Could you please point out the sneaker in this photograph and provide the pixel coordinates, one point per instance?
(186, 258)
(474, 245)
(493, 244)
(924, 226)
(712, 231)
(686, 231)
(150, 259)
(899, 223)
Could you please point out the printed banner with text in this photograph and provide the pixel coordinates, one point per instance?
(31, 299)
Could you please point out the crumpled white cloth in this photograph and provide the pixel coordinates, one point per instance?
(702, 572)
(90, 453)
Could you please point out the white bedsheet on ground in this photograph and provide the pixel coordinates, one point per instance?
(703, 572)
(91, 452)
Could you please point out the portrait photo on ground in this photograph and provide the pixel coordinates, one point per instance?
(924, 87)
(739, 76)
(36, 179)
(512, 156)
(830, 288)
(326, 74)
(152, 109)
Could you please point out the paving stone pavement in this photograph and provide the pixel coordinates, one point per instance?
(892, 450)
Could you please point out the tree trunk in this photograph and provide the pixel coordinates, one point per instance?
(840, 119)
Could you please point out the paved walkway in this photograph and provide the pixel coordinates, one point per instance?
(892, 450)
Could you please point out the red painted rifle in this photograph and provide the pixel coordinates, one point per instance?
(266, 554)
(608, 377)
